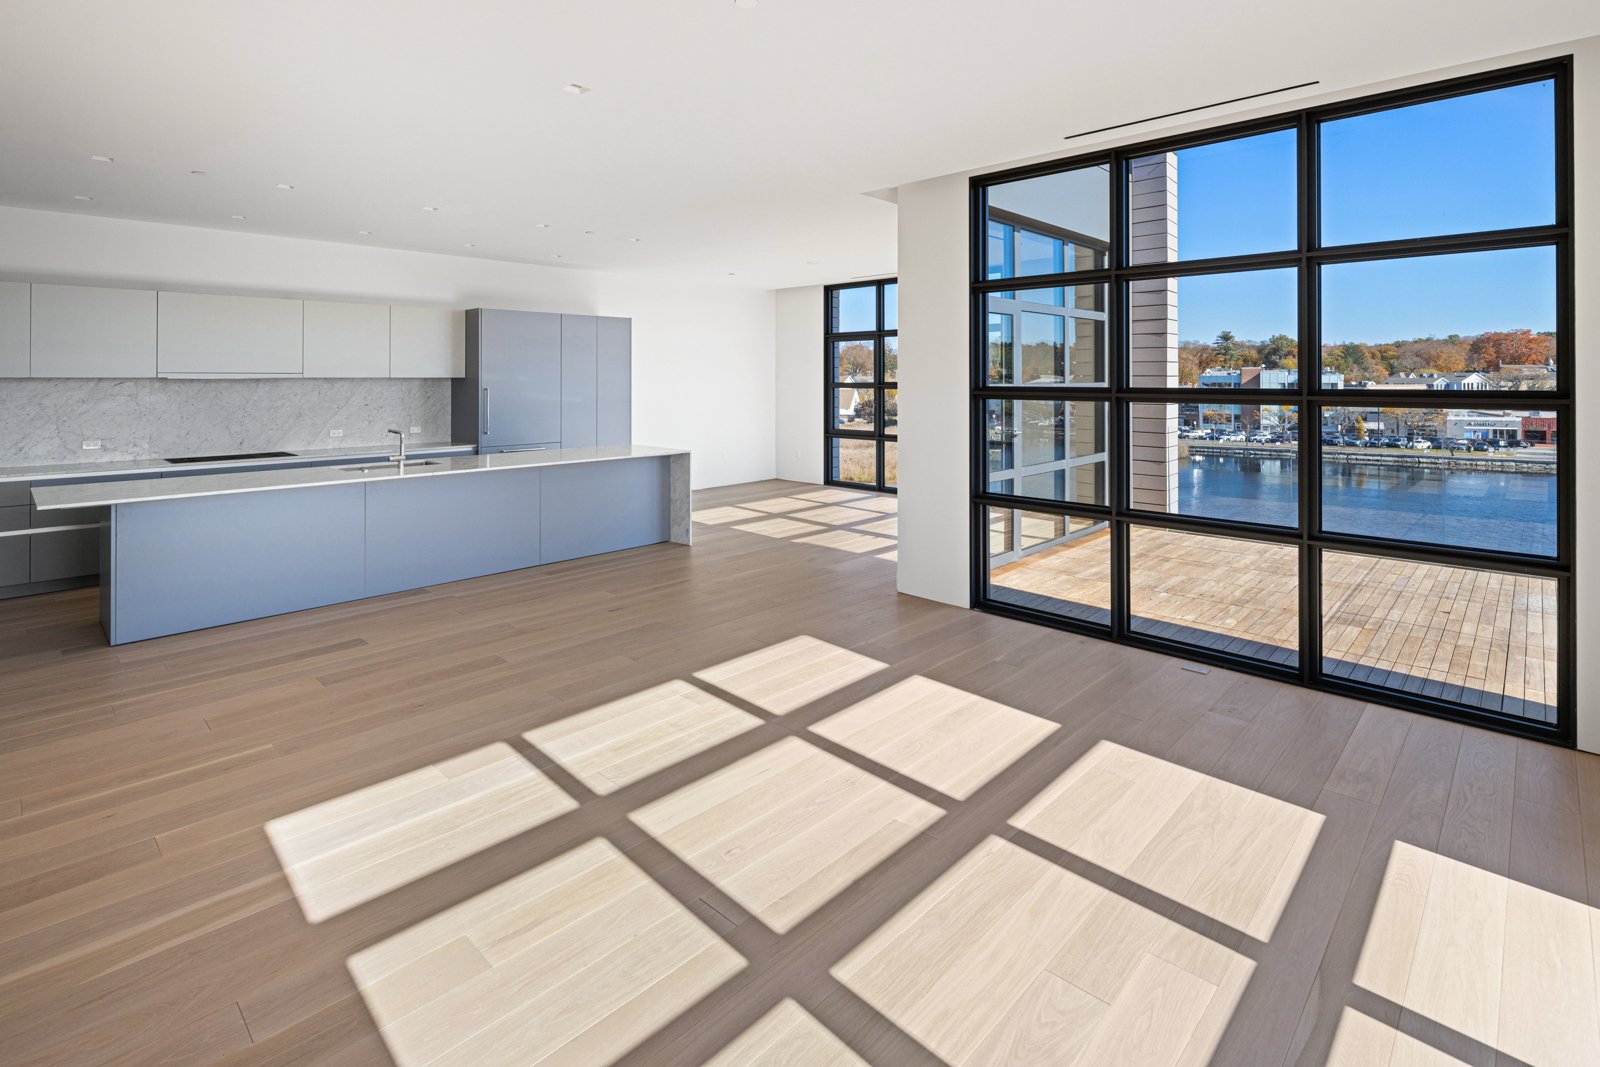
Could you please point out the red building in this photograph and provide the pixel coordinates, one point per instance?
(1539, 428)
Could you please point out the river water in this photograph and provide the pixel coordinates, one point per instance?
(1500, 511)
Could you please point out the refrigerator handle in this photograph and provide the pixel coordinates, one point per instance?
(486, 422)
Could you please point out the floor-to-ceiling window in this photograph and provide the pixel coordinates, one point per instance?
(861, 398)
(1295, 396)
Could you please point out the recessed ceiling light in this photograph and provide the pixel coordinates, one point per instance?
(635, 240)
(430, 209)
(103, 159)
(363, 233)
(239, 218)
(469, 246)
(575, 89)
(541, 225)
(286, 188)
(556, 255)
(731, 274)
(80, 196)
(198, 173)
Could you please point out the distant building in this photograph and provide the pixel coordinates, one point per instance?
(1535, 376)
(1483, 425)
(1263, 378)
(1539, 427)
(1428, 379)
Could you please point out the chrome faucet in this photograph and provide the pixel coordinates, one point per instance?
(401, 458)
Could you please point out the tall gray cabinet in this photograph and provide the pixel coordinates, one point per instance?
(540, 380)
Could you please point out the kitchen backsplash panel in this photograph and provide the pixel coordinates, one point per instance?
(46, 420)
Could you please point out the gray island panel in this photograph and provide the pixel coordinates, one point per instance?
(182, 565)
(428, 531)
(604, 507)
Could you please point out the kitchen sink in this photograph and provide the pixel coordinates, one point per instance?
(390, 466)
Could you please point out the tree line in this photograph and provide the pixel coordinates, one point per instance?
(1358, 361)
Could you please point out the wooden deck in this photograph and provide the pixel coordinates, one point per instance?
(742, 804)
(1484, 639)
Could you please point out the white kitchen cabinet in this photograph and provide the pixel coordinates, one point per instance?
(82, 331)
(346, 340)
(427, 343)
(231, 336)
(14, 343)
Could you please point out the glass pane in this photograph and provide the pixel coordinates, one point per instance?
(1216, 331)
(891, 463)
(854, 461)
(891, 359)
(854, 361)
(1222, 461)
(891, 411)
(1225, 199)
(891, 306)
(1469, 320)
(1221, 593)
(854, 310)
(1485, 161)
(853, 409)
(1035, 342)
(1049, 224)
(1464, 478)
(1480, 638)
(1051, 449)
(1053, 563)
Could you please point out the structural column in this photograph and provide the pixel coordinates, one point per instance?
(1153, 331)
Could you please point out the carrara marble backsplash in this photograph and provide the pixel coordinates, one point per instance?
(46, 420)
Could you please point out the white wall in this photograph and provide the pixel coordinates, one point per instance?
(934, 382)
(934, 463)
(702, 358)
(798, 374)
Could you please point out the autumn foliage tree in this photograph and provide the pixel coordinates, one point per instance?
(1510, 348)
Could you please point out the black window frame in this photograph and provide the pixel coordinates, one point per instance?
(1309, 396)
(881, 435)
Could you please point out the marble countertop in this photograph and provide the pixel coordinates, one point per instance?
(106, 494)
(158, 465)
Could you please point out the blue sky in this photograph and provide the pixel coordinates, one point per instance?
(1479, 162)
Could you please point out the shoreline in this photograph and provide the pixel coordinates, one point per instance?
(1433, 458)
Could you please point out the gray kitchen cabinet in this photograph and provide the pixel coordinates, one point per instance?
(13, 550)
(14, 342)
(346, 340)
(82, 331)
(511, 394)
(427, 343)
(613, 381)
(70, 554)
(578, 344)
(229, 336)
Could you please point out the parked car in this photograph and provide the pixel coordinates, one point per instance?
(1421, 444)
(1480, 446)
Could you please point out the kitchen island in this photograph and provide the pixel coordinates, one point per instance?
(180, 554)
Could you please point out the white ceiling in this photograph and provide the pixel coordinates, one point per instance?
(731, 140)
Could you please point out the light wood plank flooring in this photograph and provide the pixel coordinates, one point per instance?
(744, 804)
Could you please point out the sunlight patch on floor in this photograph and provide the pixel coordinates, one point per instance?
(1229, 853)
(584, 955)
(847, 541)
(1009, 958)
(836, 515)
(778, 527)
(1506, 965)
(790, 674)
(782, 831)
(936, 734)
(634, 737)
(786, 1036)
(358, 847)
(718, 516)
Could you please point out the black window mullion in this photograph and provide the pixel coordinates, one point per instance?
(875, 388)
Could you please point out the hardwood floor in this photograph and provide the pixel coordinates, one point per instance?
(743, 804)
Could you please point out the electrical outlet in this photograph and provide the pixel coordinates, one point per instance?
(91, 445)
(416, 429)
(335, 433)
